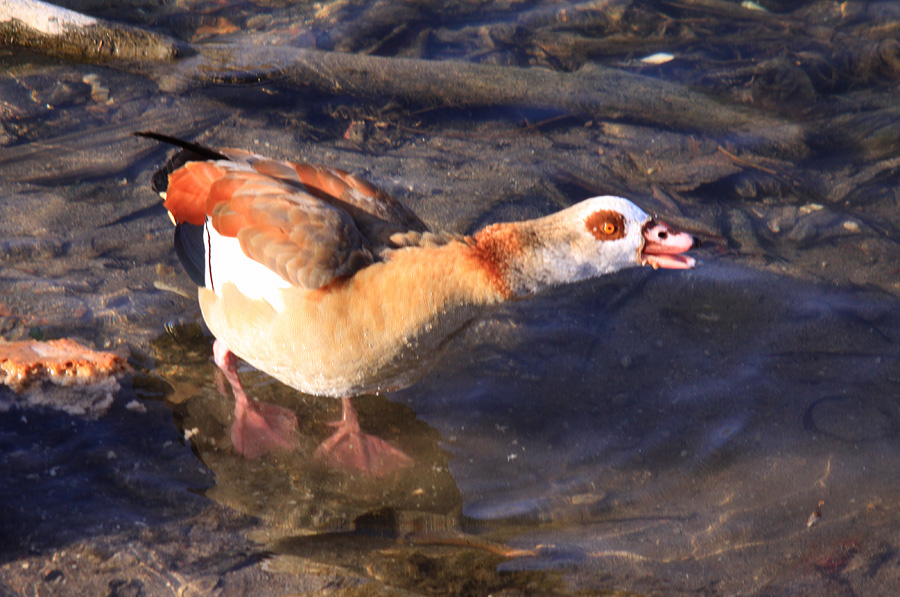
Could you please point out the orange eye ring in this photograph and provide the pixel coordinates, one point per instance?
(608, 228)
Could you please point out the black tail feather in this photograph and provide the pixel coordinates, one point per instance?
(202, 152)
(191, 152)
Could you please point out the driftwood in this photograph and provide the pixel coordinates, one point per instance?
(66, 33)
(594, 92)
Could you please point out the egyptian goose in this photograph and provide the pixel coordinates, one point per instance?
(333, 287)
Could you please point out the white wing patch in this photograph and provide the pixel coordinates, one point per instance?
(226, 262)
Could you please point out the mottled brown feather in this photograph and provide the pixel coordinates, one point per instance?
(372, 208)
(305, 241)
(276, 169)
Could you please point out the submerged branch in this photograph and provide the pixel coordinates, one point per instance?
(594, 92)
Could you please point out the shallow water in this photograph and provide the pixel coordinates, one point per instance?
(731, 429)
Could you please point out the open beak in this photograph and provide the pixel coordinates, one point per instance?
(663, 247)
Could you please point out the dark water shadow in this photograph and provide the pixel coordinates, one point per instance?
(692, 427)
(66, 479)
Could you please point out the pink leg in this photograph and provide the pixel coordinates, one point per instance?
(350, 449)
(258, 428)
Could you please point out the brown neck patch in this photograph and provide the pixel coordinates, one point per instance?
(495, 247)
(606, 224)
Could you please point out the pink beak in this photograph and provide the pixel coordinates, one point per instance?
(663, 247)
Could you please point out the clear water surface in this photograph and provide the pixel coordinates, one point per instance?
(734, 429)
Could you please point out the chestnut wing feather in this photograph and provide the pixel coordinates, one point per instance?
(301, 238)
(376, 213)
